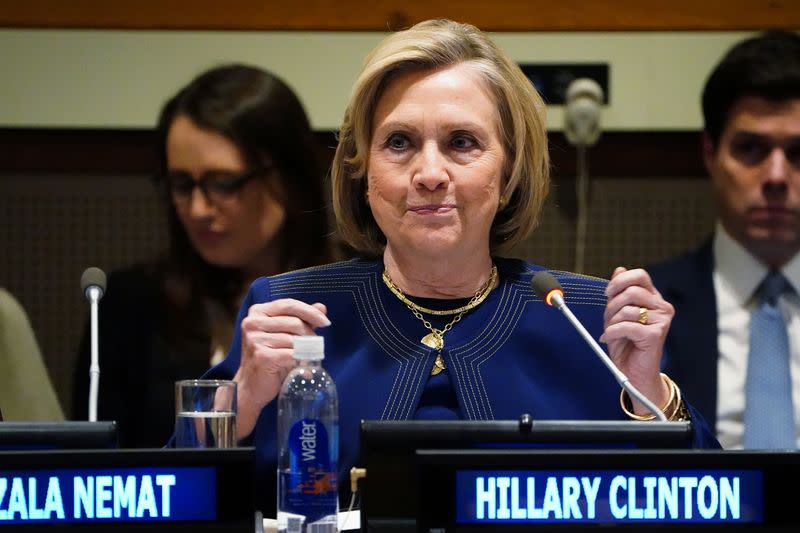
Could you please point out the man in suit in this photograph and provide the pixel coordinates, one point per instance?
(751, 149)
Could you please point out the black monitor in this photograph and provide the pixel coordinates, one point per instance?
(129, 490)
(65, 435)
(389, 451)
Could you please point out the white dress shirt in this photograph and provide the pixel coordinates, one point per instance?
(736, 276)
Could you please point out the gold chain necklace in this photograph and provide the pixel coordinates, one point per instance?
(435, 339)
(476, 300)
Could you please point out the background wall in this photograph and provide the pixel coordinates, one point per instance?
(118, 79)
(82, 85)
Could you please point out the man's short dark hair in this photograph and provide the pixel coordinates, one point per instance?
(766, 66)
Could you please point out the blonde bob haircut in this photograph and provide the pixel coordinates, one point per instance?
(431, 45)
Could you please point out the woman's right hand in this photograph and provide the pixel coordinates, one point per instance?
(267, 347)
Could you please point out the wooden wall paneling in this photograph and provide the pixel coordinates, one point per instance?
(382, 15)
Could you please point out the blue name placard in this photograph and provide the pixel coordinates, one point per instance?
(108, 495)
(619, 496)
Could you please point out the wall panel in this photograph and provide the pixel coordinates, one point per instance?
(379, 15)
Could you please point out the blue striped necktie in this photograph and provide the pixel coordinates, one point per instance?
(769, 413)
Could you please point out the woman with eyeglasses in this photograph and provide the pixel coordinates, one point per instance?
(244, 198)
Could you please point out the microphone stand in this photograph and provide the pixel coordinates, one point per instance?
(94, 294)
(621, 378)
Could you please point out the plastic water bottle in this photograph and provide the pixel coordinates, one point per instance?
(308, 444)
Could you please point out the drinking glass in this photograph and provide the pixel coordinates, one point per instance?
(205, 413)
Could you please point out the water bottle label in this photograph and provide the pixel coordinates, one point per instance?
(311, 487)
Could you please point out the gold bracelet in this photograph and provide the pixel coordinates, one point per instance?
(678, 400)
(680, 413)
(683, 414)
(674, 392)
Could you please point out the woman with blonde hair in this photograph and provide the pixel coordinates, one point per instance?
(441, 168)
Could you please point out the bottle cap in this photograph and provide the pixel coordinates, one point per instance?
(309, 347)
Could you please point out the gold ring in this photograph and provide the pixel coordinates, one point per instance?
(643, 315)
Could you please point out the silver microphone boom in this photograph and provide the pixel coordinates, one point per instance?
(549, 289)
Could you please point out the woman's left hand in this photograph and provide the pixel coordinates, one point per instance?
(636, 323)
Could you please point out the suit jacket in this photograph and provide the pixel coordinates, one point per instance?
(686, 282)
(511, 355)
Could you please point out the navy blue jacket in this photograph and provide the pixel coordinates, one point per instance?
(511, 355)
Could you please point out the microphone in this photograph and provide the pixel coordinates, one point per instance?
(93, 281)
(584, 98)
(547, 287)
(93, 285)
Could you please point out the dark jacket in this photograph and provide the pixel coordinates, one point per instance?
(686, 282)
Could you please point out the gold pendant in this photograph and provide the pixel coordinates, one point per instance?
(433, 340)
(438, 365)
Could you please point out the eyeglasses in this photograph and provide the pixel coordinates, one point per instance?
(218, 186)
